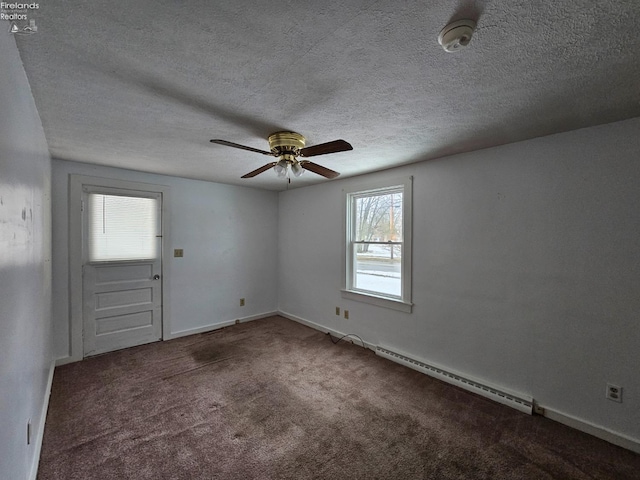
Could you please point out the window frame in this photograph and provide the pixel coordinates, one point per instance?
(349, 194)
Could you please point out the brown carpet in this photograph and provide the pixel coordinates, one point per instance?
(273, 399)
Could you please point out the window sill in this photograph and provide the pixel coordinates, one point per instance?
(385, 302)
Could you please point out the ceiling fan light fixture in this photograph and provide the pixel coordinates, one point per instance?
(297, 169)
(281, 168)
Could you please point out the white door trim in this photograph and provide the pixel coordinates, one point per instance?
(76, 183)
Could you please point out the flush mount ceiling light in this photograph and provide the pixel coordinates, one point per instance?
(456, 35)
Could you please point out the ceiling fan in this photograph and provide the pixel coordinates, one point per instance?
(287, 147)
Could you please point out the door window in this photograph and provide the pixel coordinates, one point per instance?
(121, 228)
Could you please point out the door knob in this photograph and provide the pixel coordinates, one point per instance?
(156, 277)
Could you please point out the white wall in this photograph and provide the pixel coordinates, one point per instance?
(25, 268)
(229, 237)
(526, 269)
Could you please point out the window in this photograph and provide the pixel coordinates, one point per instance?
(122, 227)
(378, 244)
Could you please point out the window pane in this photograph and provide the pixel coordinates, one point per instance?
(121, 228)
(378, 268)
(379, 218)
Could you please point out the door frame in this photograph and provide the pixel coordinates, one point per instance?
(76, 185)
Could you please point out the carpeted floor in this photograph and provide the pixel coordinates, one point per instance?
(273, 399)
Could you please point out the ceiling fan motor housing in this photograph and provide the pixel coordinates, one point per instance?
(286, 143)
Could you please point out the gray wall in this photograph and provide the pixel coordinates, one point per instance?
(526, 269)
(25, 268)
(229, 236)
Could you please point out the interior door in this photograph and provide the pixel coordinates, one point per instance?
(122, 268)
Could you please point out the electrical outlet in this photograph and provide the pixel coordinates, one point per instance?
(238, 322)
(346, 314)
(338, 311)
(614, 393)
(242, 302)
(178, 252)
(538, 410)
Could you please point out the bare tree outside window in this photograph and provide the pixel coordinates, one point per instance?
(378, 242)
(379, 219)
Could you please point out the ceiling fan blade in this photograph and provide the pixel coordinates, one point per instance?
(242, 147)
(258, 171)
(324, 148)
(319, 169)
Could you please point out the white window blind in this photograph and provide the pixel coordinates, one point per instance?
(122, 228)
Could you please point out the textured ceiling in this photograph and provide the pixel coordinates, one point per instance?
(146, 84)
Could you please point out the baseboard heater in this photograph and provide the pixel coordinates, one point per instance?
(519, 402)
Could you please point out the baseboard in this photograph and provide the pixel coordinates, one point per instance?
(334, 333)
(216, 326)
(183, 333)
(605, 434)
(64, 360)
(35, 463)
(496, 393)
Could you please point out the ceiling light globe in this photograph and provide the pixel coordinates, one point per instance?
(297, 169)
(281, 168)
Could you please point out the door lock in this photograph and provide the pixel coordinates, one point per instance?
(156, 277)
